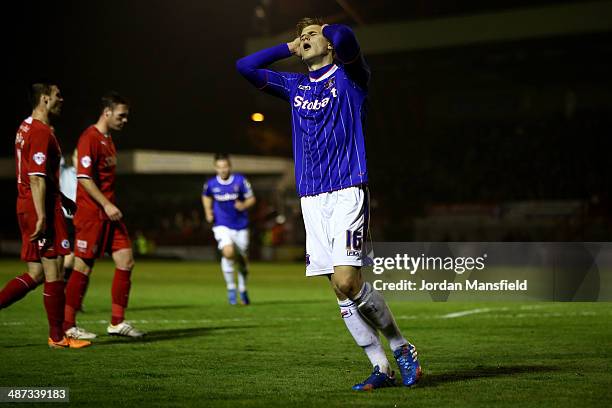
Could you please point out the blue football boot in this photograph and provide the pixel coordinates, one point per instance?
(408, 363)
(244, 298)
(231, 296)
(376, 380)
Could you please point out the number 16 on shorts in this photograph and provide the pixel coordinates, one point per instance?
(354, 242)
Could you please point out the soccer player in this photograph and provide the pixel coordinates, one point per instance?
(39, 202)
(98, 222)
(328, 114)
(20, 286)
(226, 199)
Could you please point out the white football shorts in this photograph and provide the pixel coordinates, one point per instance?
(226, 236)
(336, 229)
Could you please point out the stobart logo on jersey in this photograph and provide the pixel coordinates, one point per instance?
(301, 103)
(226, 197)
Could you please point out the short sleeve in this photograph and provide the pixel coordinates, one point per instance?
(86, 157)
(39, 149)
(206, 191)
(245, 188)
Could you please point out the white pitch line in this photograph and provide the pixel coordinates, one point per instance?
(464, 313)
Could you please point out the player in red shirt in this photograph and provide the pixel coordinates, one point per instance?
(39, 212)
(98, 222)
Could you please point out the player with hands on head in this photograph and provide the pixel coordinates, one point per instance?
(328, 110)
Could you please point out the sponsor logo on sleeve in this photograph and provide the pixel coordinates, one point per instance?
(82, 245)
(39, 158)
(86, 161)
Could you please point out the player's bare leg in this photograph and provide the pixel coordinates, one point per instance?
(19, 286)
(124, 263)
(68, 265)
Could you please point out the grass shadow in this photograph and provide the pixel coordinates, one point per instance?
(289, 302)
(150, 337)
(92, 310)
(170, 334)
(434, 380)
(163, 307)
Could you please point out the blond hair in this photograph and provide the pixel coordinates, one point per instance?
(305, 22)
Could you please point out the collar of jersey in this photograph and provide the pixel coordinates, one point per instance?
(225, 183)
(322, 73)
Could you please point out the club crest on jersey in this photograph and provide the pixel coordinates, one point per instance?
(86, 161)
(39, 158)
(330, 83)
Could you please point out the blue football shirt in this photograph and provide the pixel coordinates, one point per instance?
(224, 194)
(327, 118)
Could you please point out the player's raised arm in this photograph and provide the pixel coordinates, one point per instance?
(348, 52)
(252, 67)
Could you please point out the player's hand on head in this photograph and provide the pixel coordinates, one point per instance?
(294, 47)
(39, 230)
(113, 212)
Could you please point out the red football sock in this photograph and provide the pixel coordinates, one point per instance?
(75, 291)
(54, 300)
(16, 289)
(121, 294)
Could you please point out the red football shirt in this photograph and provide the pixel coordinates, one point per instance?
(37, 152)
(98, 161)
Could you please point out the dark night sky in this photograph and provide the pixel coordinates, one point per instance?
(173, 59)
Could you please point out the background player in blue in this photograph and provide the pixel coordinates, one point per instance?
(327, 117)
(226, 199)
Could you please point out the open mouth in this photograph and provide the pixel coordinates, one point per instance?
(306, 47)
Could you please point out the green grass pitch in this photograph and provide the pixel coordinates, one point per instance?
(290, 348)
